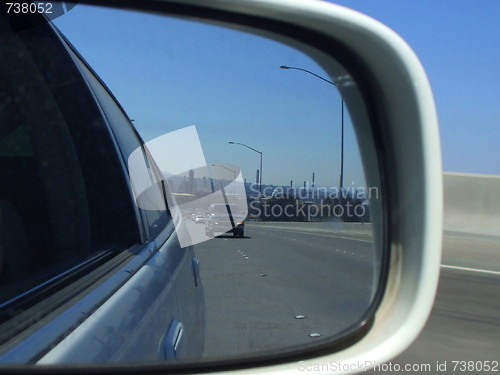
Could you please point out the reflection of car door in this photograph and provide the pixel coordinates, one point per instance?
(86, 276)
(180, 303)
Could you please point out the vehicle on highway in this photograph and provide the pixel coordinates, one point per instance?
(200, 219)
(221, 216)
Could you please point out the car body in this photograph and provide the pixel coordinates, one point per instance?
(222, 216)
(77, 232)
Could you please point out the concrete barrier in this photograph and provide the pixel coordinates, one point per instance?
(472, 204)
(354, 230)
(471, 208)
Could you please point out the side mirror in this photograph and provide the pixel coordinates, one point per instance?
(367, 301)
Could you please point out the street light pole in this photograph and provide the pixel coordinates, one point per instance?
(257, 151)
(341, 182)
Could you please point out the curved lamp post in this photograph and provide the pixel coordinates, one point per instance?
(257, 151)
(341, 182)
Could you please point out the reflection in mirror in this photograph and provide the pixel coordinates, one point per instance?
(263, 178)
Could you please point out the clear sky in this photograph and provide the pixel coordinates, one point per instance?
(458, 42)
(169, 74)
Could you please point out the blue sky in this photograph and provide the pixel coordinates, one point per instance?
(169, 74)
(458, 42)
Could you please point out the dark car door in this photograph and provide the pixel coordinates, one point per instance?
(86, 275)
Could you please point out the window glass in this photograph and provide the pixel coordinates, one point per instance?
(151, 201)
(61, 184)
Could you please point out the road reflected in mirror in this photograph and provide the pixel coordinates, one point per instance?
(268, 185)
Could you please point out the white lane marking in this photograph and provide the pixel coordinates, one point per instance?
(470, 269)
(316, 234)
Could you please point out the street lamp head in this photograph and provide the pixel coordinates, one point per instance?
(284, 67)
(231, 143)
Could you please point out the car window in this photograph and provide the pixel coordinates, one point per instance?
(64, 201)
(151, 200)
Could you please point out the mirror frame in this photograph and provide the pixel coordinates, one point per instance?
(409, 167)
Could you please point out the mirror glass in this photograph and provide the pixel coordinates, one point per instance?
(262, 172)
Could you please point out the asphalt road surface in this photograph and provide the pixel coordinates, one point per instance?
(257, 286)
(464, 325)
